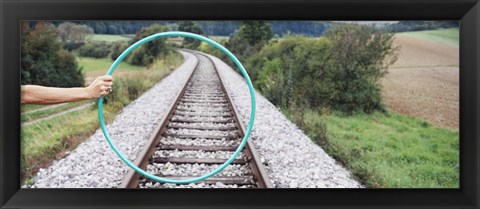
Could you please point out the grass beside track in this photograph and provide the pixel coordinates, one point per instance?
(389, 150)
(44, 113)
(450, 36)
(49, 140)
(30, 107)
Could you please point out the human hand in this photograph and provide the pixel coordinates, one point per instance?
(101, 86)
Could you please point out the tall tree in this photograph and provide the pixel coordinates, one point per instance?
(189, 26)
(255, 32)
(72, 35)
(147, 53)
(250, 38)
(44, 61)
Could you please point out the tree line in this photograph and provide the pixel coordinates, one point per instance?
(403, 26)
(218, 28)
(228, 28)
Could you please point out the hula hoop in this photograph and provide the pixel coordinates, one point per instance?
(216, 45)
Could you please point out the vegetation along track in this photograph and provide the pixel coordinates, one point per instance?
(199, 134)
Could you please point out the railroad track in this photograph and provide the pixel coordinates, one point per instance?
(200, 133)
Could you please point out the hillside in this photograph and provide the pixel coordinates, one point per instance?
(424, 82)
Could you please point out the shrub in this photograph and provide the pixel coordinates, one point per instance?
(95, 49)
(340, 71)
(117, 49)
(148, 52)
(189, 26)
(72, 35)
(44, 61)
(362, 56)
(250, 38)
(209, 49)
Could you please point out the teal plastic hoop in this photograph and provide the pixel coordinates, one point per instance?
(216, 45)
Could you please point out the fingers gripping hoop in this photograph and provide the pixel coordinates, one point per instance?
(216, 45)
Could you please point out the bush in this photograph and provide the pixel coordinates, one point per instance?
(209, 49)
(189, 26)
(148, 52)
(250, 38)
(95, 49)
(72, 35)
(362, 56)
(44, 61)
(340, 71)
(117, 49)
(72, 46)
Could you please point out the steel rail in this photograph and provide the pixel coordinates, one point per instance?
(132, 179)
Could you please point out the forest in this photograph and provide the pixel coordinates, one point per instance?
(218, 28)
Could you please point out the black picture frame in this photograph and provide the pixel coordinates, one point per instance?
(13, 11)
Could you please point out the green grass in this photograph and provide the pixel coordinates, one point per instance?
(389, 150)
(42, 142)
(30, 107)
(43, 113)
(89, 64)
(448, 36)
(36, 138)
(107, 38)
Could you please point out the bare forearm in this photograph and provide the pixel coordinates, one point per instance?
(33, 94)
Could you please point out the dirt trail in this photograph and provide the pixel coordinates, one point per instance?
(424, 82)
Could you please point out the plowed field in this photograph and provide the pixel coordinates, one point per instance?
(424, 82)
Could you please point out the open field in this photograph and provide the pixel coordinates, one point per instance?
(107, 38)
(448, 36)
(219, 38)
(424, 82)
(417, 52)
(176, 40)
(90, 65)
(93, 68)
(430, 93)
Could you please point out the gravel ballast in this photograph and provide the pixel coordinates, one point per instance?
(93, 164)
(290, 157)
